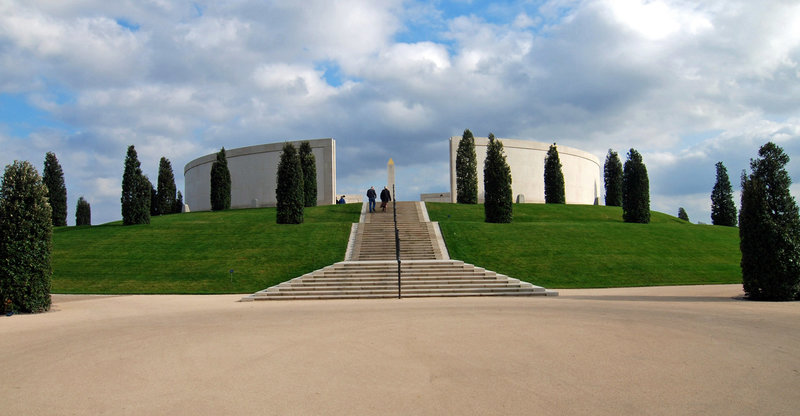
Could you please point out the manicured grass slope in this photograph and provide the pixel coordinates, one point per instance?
(578, 246)
(193, 252)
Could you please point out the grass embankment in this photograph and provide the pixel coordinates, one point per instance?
(193, 252)
(576, 246)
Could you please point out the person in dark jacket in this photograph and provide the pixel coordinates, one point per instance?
(386, 196)
(371, 195)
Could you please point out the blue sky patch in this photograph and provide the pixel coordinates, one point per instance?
(127, 24)
(332, 73)
(19, 118)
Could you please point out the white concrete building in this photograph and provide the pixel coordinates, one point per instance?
(582, 177)
(254, 172)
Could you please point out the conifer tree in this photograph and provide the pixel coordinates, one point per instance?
(635, 190)
(220, 183)
(26, 227)
(466, 170)
(309, 164)
(153, 200)
(613, 179)
(553, 178)
(769, 229)
(497, 206)
(178, 207)
(723, 210)
(682, 214)
(53, 178)
(289, 193)
(136, 190)
(165, 193)
(83, 212)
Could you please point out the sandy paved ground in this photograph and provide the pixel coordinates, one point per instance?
(658, 351)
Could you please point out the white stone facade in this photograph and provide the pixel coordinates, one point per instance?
(582, 177)
(254, 172)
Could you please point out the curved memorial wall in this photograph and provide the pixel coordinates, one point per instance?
(582, 178)
(254, 175)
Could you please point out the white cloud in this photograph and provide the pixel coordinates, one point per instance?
(686, 84)
(656, 20)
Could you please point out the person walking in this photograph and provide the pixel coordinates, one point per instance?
(386, 196)
(371, 195)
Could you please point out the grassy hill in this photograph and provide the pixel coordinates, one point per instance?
(556, 246)
(578, 246)
(193, 252)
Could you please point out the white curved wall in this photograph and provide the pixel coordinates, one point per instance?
(526, 159)
(254, 175)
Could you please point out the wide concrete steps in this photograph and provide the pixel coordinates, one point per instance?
(419, 278)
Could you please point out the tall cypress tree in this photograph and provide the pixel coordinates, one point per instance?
(53, 178)
(220, 183)
(25, 239)
(498, 200)
(309, 165)
(635, 190)
(83, 212)
(466, 170)
(166, 187)
(553, 178)
(612, 175)
(289, 193)
(769, 229)
(136, 190)
(723, 210)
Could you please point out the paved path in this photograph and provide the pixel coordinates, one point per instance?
(656, 351)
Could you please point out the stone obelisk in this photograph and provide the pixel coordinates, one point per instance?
(390, 174)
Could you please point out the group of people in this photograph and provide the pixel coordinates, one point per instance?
(386, 196)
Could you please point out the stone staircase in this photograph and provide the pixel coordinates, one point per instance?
(374, 238)
(370, 266)
(378, 279)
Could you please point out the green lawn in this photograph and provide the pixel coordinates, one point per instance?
(577, 246)
(193, 252)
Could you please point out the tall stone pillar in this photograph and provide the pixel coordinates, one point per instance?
(390, 174)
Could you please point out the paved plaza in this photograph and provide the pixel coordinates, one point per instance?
(657, 351)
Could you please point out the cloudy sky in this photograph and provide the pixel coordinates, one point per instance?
(686, 84)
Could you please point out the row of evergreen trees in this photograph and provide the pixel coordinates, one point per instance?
(296, 183)
(628, 187)
(140, 199)
(496, 178)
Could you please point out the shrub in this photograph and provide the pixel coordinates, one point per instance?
(466, 170)
(497, 204)
(682, 214)
(25, 239)
(83, 212)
